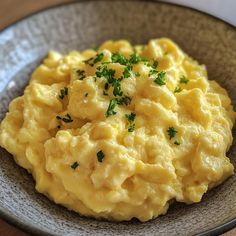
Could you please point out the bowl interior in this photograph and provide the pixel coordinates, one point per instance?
(85, 24)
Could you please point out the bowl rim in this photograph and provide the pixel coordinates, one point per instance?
(30, 228)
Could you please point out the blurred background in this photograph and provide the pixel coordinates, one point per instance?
(13, 10)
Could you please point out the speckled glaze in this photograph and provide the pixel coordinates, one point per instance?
(85, 24)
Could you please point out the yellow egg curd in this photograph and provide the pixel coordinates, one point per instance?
(121, 131)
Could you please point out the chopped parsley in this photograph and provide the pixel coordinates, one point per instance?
(160, 80)
(100, 156)
(137, 74)
(183, 79)
(178, 90)
(74, 165)
(104, 93)
(91, 61)
(64, 92)
(81, 74)
(127, 71)
(177, 143)
(110, 110)
(135, 59)
(124, 100)
(131, 118)
(153, 72)
(98, 58)
(118, 58)
(172, 132)
(155, 64)
(117, 88)
(106, 86)
(103, 71)
(66, 119)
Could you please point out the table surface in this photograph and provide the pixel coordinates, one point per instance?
(10, 14)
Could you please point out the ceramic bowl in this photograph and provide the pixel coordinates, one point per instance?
(84, 24)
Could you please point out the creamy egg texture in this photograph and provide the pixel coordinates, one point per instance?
(121, 131)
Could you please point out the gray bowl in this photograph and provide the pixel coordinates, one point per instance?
(84, 24)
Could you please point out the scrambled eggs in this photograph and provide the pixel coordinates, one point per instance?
(121, 131)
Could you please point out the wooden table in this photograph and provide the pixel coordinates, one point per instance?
(10, 11)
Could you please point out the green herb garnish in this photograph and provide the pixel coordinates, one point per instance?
(64, 92)
(66, 119)
(137, 74)
(103, 71)
(172, 132)
(130, 119)
(177, 143)
(135, 59)
(160, 80)
(178, 90)
(124, 100)
(118, 58)
(100, 156)
(183, 79)
(91, 61)
(155, 64)
(117, 88)
(104, 93)
(127, 71)
(74, 165)
(81, 74)
(98, 58)
(110, 110)
(106, 86)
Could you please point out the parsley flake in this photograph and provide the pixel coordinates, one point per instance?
(106, 86)
(172, 132)
(127, 71)
(110, 110)
(160, 80)
(117, 88)
(91, 61)
(81, 74)
(135, 59)
(100, 156)
(124, 100)
(103, 71)
(104, 93)
(98, 58)
(137, 74)
(131, 118)
(118, 58)
(66, 119)
(64, 92)
(155, 64)
(74, 165)
(177, 143)
(183, 79)
(178, 90)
